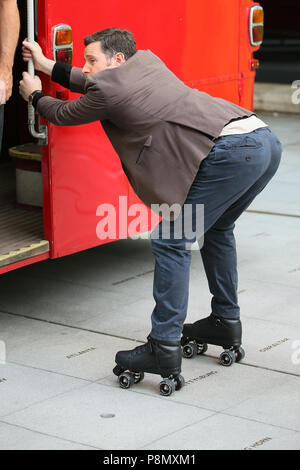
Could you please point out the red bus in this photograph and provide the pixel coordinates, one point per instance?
(60, 184)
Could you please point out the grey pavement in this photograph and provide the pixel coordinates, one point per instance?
(62, 321)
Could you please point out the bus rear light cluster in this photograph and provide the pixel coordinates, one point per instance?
(62, 43)
(256, 25)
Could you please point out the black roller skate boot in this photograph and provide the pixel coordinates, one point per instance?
(155, 357)
(217, 331)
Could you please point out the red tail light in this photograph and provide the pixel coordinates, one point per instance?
(64, 55)
(62, 43)
(256, 25)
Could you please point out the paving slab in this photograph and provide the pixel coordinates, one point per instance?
(271, 345)
(279, 406)
(287, 203)
(56, 300)
(289, 170)
(63, 350)
(104, 267)
(209, 385)
(282, 194)
(258, 299)
(221, 432)
(130, 321)
(270, 302)
(134, 319)
(82, 416)
(285, 126)
(268, 249)
(268, 345)
(16, 438)
(22, 386)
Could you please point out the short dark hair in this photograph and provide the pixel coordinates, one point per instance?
(114, 40)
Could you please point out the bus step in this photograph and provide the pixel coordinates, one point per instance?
(21, 234)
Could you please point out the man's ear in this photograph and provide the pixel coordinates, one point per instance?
(119, 58)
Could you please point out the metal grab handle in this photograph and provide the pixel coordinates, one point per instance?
(42, 135)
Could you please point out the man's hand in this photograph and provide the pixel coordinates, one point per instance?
(5, 84)
(32, 50)
(28, 85)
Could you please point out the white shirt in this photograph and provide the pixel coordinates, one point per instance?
(242, 126)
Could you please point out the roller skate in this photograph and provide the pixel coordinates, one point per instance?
(217, 331)
(155, 357)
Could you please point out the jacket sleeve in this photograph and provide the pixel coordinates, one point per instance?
(69, 77)
(89, 108)
(78, 81)
(61, 74)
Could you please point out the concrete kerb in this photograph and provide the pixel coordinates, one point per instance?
(283, 98)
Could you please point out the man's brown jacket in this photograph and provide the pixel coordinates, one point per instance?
(160, 128)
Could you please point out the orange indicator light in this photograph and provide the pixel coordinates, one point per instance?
(63, 37)
(258, 16)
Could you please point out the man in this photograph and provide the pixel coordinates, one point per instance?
(9, 34)
(177, 145)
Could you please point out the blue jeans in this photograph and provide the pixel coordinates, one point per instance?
(236, 170)
(1, 124)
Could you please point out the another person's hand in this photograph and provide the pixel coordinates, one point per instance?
(28, 85)
(5, 84)
(32, 50)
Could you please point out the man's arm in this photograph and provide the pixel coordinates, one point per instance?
(9, 34)
(89, 108)
(64, 74)
(83, 110)
(69, 77)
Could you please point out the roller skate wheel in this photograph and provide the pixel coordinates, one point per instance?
(118, 370)
(201, 348)
(126, 380)
(184, 340)
(189, 350)
(227, 358)
(240, 354)
(179, 382)
(138, 377)
(166, 387)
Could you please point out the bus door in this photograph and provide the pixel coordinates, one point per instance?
(22, 237)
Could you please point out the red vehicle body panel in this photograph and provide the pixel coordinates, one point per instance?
(205, 43)
(26, 262)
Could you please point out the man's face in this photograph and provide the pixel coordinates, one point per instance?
(96, 60)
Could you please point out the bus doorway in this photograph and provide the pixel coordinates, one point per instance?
(21, 201)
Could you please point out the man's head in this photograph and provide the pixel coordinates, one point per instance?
(107, 49)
